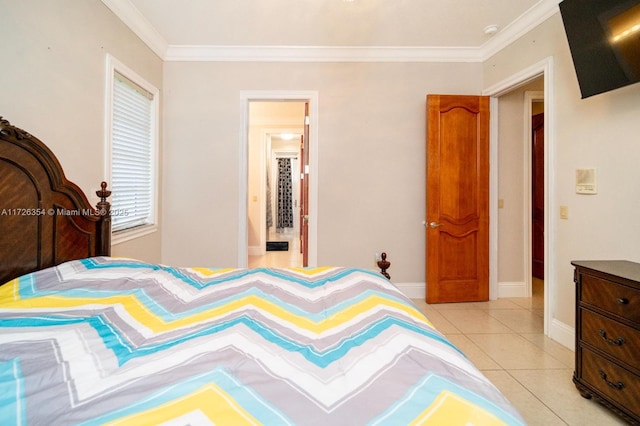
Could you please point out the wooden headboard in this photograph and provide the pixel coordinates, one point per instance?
(44, 219)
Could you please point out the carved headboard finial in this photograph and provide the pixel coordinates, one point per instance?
(103, 205)
(384, 264)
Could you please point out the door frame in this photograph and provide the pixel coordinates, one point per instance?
(243, 181)
(543, 68)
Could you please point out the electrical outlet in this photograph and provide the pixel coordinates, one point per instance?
(378, 257)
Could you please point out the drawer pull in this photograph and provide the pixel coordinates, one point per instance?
(622, 301)
(618, 342)
(617, 386)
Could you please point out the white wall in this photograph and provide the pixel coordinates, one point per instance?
(600, 132)
(371, 156)
(52, 80)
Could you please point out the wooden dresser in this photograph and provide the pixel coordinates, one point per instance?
(608, 334)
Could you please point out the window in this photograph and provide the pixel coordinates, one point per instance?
(132, 146)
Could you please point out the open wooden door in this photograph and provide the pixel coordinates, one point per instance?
(537, 196)
(304, 189)
(457, 198)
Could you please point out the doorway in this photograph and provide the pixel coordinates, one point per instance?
(523, 288)
(275, 132)
(534, 111)
(272, 124)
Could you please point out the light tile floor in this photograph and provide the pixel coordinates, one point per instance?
(281, 259)
(505, 340)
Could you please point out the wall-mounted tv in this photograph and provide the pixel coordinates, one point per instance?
(604, 39)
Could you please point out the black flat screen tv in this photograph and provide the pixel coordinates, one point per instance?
(604, 39)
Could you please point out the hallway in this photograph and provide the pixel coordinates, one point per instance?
(282, 259)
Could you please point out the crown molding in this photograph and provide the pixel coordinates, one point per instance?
(321, 54)
(533, 17)
(138, 23)
(132, 17)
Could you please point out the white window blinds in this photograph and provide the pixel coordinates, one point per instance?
(132, 155)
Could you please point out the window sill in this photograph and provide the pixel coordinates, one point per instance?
(133, 233)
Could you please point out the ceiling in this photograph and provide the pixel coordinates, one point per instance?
(338, 29)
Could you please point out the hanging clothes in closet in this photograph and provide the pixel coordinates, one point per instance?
(285, 195)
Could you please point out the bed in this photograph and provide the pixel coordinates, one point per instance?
(86, 338)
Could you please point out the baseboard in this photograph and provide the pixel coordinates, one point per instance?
(505, 289)
(412, 290)
(563, 334)
(512, 289)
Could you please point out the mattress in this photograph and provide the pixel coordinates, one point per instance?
(120, 341)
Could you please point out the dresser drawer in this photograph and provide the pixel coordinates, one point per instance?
(612, 381)
(618, 340)
(618, 299)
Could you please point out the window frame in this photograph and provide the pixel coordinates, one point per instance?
(114, 67)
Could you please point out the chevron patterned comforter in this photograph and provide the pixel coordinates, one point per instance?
(118, 341)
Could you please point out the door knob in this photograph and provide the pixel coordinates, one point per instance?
(434, 224)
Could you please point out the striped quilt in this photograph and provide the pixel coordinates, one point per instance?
(119, 341)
